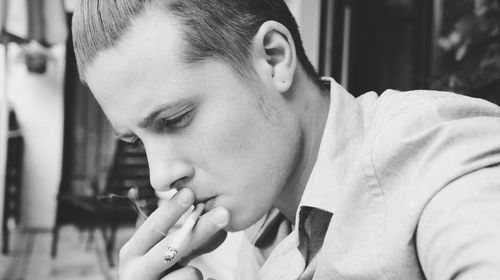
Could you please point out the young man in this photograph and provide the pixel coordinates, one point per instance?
(231, 113)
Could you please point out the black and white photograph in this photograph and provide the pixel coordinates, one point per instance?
(250, 139)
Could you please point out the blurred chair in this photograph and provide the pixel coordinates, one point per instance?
(13, 175)
(107, 206)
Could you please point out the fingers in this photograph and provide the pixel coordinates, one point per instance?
(142, 257)
(206, 236)
(158, 223)
(207, 246)
(185, 273)
(209, 233)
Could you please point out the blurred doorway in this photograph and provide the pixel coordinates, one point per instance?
(376, 45)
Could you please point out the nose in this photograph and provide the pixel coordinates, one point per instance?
(168, 171)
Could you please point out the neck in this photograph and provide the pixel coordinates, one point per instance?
(312, 106)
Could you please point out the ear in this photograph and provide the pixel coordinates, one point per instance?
(275, 55)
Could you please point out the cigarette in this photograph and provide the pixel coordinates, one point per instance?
(182, 234)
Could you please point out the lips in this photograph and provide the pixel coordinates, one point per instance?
(209, 203)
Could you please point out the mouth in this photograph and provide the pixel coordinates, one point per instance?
(209, 203)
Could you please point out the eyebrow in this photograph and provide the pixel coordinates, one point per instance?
(149, 120)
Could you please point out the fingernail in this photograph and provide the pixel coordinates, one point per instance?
(184, 197)
(221, 217)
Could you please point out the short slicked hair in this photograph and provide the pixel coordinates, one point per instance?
(222, 29)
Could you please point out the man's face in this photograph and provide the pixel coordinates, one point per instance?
(202, 127)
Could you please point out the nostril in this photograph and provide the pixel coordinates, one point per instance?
(179, 183)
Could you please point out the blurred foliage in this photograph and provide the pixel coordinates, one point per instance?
(470, 49)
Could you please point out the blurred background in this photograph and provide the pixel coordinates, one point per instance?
(59, 160)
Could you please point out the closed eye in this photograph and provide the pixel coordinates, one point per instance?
(167, 124)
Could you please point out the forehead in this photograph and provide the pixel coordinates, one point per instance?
(147, 58)
(153, 38)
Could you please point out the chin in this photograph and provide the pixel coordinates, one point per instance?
(235, 228)
(240, 223)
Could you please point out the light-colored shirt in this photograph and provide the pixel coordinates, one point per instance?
(406, 186)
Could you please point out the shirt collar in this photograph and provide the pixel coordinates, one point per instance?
(339, 142)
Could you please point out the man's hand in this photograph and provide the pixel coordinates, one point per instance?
(142, 256)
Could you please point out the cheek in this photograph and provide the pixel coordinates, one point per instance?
(233, 140)
(237, 140)
(225, 131)
(248, 160)
(248, 155)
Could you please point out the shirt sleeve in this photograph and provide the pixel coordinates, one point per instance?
(437, 160)
(456, 148)
(458, 236)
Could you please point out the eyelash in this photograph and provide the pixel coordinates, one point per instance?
(176, 123)
(167, 124)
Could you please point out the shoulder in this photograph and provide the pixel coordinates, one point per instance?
(420, 142)
(410, 115)
(414, 109)
(415, 131)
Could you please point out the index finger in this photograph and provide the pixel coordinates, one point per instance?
(158, 223)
